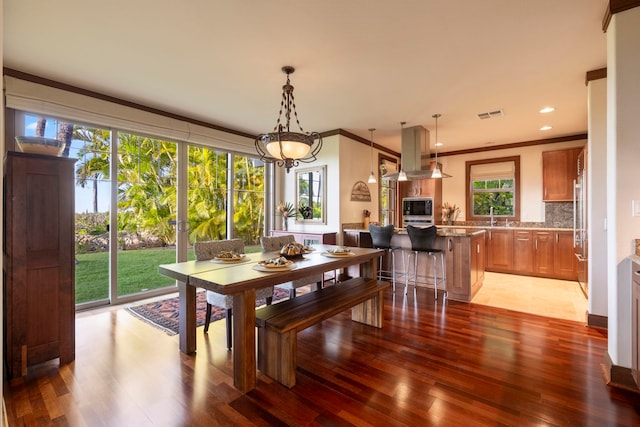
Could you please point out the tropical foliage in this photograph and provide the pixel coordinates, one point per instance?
(496, 193)
(147, 186)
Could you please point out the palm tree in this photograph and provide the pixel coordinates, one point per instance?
(95, 158)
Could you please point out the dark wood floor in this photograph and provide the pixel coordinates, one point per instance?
(432, 364)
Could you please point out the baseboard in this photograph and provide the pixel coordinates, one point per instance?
(597, 321)
(618, 376)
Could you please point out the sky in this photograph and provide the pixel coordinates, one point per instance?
(83, 196)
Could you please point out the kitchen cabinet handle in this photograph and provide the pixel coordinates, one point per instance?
(449, 244)
(477, 248)
(490, 235)
(557, 238)
(536, 244)
(522, 240)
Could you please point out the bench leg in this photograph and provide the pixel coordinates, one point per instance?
(370, 311)
(277, 355)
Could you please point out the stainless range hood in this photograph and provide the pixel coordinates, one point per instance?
(413, 141)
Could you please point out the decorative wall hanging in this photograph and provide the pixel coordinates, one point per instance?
(360, 192)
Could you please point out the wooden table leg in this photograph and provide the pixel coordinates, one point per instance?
(244, 340)
(187, 318)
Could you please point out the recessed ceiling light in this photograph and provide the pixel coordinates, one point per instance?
(547, 110)
(546, 127)
(439, 144)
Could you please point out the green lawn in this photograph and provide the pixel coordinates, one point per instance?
(137, 272)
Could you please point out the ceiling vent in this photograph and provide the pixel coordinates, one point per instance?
(490, 114)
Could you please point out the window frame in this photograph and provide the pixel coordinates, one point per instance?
(469, 190)
(391, 188)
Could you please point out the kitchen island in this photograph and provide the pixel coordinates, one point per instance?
(464, 257)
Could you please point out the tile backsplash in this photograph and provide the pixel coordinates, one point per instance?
(558, 214)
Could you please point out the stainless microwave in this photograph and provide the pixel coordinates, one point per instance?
(417, 211)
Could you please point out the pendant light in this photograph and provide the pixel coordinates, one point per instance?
(436, 170)
(282, 146)
(372, 177)
(402, 176)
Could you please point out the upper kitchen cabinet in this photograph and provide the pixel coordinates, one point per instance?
(559, 169)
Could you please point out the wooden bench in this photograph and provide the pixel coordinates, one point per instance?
(279, 323)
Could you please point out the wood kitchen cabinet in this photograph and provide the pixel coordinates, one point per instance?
(464, 261)
(39, 261)
(357, 238)
(499, 250)
(308, 238)
(559, 169)
(543, 253)
(477, 262)
(522, 252)
(564, 260)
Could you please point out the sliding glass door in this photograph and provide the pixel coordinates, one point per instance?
(129, 224)
(146, 197)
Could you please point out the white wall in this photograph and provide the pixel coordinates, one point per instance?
(329, 156)
(355, 166)
(531, 205)
(597, 188)
(623, 175)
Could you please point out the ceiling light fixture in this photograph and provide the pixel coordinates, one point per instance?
(283, 147)
(546, 110)
(436, 170)
(402, 176)
(546, 127)
(372, 177)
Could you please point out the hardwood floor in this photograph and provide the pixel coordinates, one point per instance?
(432, 364)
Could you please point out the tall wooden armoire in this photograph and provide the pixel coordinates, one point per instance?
(39, 261)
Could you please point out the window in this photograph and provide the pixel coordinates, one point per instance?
(493, 183)
(146, 215)
(387, 189)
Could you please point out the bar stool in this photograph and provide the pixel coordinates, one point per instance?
(381, 238)
(422, 240)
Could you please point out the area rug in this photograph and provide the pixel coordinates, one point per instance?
(164, 314)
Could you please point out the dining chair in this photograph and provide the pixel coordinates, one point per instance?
(422, 241)
(381, 238)
(275, 243)
(207, 251)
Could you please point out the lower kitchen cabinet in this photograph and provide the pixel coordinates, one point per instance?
(464, 258)
(543, 243)
(308, 238)
(544, 253)
(523, 252)
(499, 250)
(564, 260)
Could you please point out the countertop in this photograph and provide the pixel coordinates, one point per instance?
(468, 228)
(442, 231)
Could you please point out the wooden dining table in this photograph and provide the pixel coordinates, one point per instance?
(241, 279)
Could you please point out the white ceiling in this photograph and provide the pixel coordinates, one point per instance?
(359, 63)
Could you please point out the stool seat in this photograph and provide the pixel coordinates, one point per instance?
(381, 239)
(422, 241)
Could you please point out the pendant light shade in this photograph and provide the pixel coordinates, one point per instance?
(283, 147)
(372, 177)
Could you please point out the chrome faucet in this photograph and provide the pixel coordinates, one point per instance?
(493, 221)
